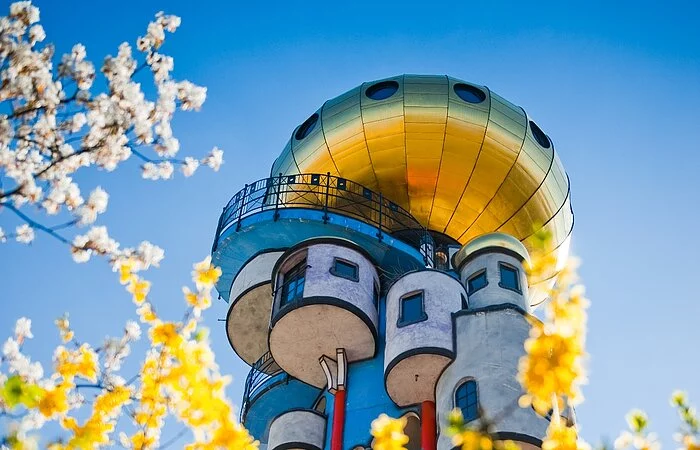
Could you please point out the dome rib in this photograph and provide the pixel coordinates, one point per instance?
(442, 152)
(505, 178)
(481, 148)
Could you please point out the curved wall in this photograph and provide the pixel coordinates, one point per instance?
(320, 281)
(416, 353)
(493, 293)
(256, 271)
(489, 344)
(332, 311)
(298, 429)
(248, 318)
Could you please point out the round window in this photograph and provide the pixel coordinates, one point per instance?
(306, 127)
(469, 94)
(382, 90)
(540, 137)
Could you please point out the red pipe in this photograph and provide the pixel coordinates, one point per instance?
(338, 420)
(428, 432)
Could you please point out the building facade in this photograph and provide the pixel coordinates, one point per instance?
(380, 267)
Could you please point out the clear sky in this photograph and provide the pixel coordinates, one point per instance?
(616, 86)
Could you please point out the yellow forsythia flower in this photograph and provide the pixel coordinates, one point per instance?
(139, 288)
(562, 437)
(388, 433)
(55, 401)
(205, 274)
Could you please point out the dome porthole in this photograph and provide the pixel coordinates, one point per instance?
(306, 127)
(382, 90)
(468, 93)
(539, 135)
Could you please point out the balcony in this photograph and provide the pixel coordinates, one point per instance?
(268, 211)
(268, 392)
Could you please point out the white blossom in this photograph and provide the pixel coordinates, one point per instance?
(24, 234)
(165, 170)
(23, 328)
(133, 330)
(150, 255)
(10, 348)
(215, 158)
(96, 204)
(190, 166)
(36, 34)
(50, 130)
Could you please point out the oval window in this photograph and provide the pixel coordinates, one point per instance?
(469, 94)
(306, 127)
(539, 135)
(382, 90)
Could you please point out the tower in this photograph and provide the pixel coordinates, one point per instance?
(380, 267)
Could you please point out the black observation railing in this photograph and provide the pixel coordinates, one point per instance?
(263, 369)
(326, 193)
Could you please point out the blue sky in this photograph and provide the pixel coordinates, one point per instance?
(617, 87)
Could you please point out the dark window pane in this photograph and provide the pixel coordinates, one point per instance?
(539, 135)
(306, 127)
(412, 308)
(469, 94)
(293, 283)
(509, 278)
(345, 269)
(467, 401)
(382, 90)
(476, 282)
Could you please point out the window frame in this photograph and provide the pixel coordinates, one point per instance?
(465, 382)
(401, 322)
(504, 265)
(295, 271)
(356, 266)
(475, 275)
(375, 295)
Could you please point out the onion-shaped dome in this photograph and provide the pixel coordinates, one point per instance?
(461, 159)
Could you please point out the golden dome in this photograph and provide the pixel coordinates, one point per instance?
(461, 159)
(487, 241)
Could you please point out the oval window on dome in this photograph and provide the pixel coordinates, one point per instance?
(382, 90)
(539, 135)
(470, 94)
(306, 127)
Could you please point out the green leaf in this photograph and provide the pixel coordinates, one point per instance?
(16, 391)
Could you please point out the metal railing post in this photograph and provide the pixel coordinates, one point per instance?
(218, 231)
(325, 207)
(240, 209)
(277, 198)
(381, 202)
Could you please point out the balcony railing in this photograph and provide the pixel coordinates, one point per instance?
(264, 369)
(326, 193)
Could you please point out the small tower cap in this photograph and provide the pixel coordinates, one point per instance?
(495, 241)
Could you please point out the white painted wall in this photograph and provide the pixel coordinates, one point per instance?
(297, 426)
(257, 270)
(489, 346)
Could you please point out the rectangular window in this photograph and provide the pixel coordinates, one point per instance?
(509, 277)
(476, 282)
(411, 309)
(345, 269)
(293, 283)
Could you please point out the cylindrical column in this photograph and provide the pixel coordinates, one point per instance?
(427, 426)
(338, 420)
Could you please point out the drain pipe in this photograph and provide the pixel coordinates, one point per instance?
(336, 372)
